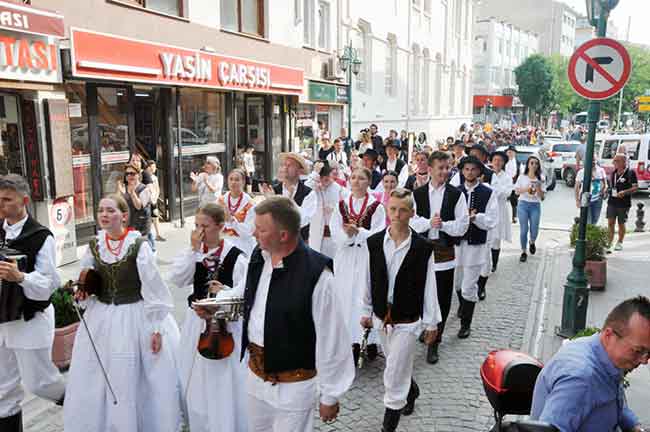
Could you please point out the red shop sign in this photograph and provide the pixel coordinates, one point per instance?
(102, 56)
(27, 19)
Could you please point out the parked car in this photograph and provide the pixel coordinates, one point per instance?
(635, 146)
(524, 152)
(561, 152)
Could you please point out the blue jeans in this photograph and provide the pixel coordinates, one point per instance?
(150, 239)
(529, 214)
(595, 208)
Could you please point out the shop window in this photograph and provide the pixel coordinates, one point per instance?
(243, 16)
(11, 154)
(113, 129)
(169, 7)
(202, 132)
(324, 25)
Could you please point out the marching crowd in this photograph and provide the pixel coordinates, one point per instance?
(355, 254)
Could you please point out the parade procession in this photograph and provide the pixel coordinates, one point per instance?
(324, 216)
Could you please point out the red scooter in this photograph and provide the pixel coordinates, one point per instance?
(509, 380)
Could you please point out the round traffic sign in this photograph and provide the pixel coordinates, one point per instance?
(599, 68)
(61, 213)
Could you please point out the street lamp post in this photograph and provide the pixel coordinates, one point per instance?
(350, 64)
(576, 294)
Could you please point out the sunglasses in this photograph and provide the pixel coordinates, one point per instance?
(131, 173)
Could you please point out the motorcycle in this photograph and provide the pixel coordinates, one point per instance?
(509, 380)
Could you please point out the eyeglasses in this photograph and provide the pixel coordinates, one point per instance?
(131, 173)
(638, 352)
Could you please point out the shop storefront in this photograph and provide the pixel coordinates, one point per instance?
(128, 95)
(321, 113)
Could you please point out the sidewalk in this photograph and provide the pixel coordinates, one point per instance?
(626, 277)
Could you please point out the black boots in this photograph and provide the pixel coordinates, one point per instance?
(391, 420)
(13, 423)
(356, 351)
(432, 353)
(372, 351)
(460, 304)
(495, 259)
(482, 280)
(467, 313)
(414, 393)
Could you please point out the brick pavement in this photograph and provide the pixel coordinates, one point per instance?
(452, 396)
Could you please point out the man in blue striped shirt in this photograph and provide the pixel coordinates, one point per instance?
(580, 389)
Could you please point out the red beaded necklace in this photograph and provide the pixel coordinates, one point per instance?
(354, 215)
(231, 208)
(217, 252)
(118, 249)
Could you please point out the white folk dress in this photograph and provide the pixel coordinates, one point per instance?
(327, 201)
(351, 257)
(240, 230)
(502, 186)
(214, 391)
(146, 384)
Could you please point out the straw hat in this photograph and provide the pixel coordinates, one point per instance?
(297, 158)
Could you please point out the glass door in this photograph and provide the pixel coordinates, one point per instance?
(255, 132)
(12, 156)
(113, 130)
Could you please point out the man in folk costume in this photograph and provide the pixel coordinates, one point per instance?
(292, 187)
(370, 157)
(394, 163)
(294, 329)
(479, 152)
(327, 193)
(400, 300)
(26, 315)
(442, 217)
(472, 252)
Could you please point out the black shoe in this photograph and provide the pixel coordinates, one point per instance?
(495, 259)
(356, 351)
(482, 280)
(432, 353)
(414, 393)
(60, 401)
(523, 257)
(464, 332)
(466, 319)
(13, 423)
(421, 338)
(391, 420)
(372, 351)
(532, 248)
(459, 312)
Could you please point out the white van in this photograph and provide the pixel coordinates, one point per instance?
(637, 148)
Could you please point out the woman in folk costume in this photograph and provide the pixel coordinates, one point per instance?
(389, 182)
(356, 218)
(213, 389)
(240, 213)
(328, 194)
(135, 335)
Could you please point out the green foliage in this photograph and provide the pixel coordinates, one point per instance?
(64, 313)
(535, 81)
(586, 332)
(597, 240)
(566, 99)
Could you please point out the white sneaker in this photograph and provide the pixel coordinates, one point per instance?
(618, 247)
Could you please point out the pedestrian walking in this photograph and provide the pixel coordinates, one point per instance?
(134, 333)
(598, 191)
(472, 252)
(377, 141)
(138, 198)
(400, 301)
(530, 189)
(154, 188)
(248, 160)
(357, 217)
(26, 314)
(212, 266)
(209, 182)
(239, 221)
(442, 217)
(326, 148)
(294, 328)
(624, 183)
(338, 156)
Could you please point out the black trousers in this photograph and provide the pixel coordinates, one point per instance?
(445, 283)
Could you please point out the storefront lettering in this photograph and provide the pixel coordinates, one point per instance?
(244, 75)
(28, 54)
(191, 67)
(11, 19)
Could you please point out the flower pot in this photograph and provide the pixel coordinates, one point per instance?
(62, 347)
(596, 274)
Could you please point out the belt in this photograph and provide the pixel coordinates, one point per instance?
(388, 318)
(256, 365)
(443, 253)
(326, 231)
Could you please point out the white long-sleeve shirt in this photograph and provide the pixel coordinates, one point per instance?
(394, 255)
(469, 255)
(455, 228)
(38, 285)
(377, 223)
(334, 363)
(308, 206)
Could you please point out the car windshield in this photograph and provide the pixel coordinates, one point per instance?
(565, 148)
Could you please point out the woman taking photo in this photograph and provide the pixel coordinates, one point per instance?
(240, 214)
(213, 389)
(135, 335)
(356, 218)
(208, 183)
(531, 190)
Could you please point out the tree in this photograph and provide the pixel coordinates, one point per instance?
(535, 81)
(566, 100)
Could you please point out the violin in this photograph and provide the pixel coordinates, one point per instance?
(89, 282)
(216, 342)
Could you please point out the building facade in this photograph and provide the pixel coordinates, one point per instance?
(554, 21)
(416, 70)
(498, 49)
(585, 31)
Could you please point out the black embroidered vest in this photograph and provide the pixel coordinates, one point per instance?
(203, 274)
(478, 201)
(447, 210)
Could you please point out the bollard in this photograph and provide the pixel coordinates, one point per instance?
(640, 213)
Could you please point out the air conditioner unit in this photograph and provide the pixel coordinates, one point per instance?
(332, 71)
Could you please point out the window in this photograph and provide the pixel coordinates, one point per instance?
(297, 11)
(609, 150)
(308, 22)
(390, 66)
(324, 25)
(508, 46)
(437, 101)
(452, 90)
(459, 18)
(500, 42)
(415, 79)
(364, 53)
(244, 16)
(631, 149)
(484, 46)
(426, 79)
(170, 7)
(427, 6)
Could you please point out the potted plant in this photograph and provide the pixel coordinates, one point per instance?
(66, 323)
(597, 243)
